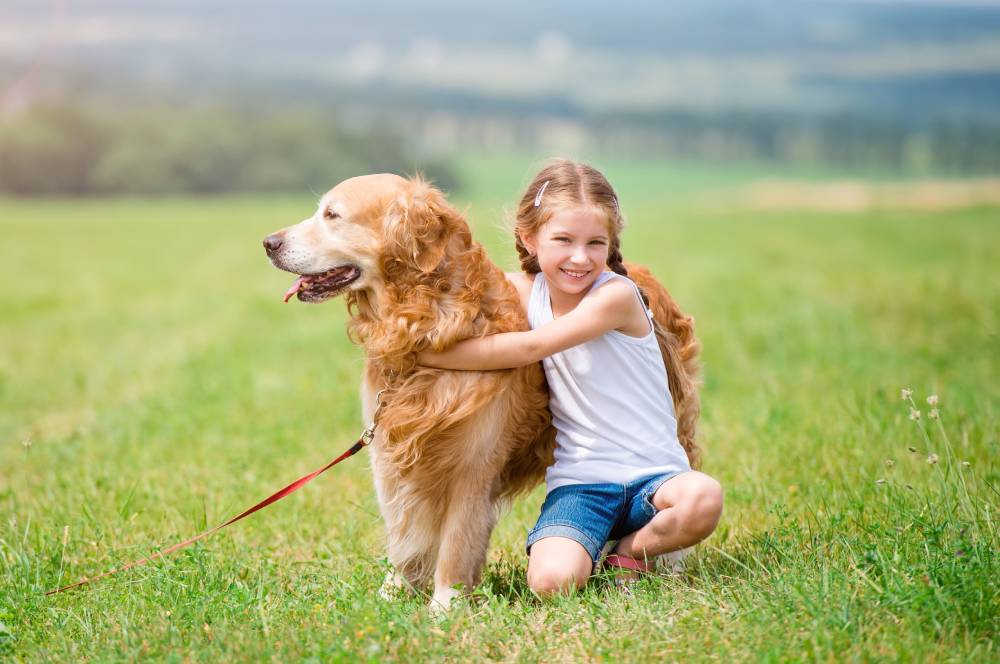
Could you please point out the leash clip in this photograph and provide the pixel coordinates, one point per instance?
(369, 433)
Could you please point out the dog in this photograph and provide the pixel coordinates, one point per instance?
(450, 447)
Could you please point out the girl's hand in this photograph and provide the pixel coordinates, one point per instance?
(431, 359)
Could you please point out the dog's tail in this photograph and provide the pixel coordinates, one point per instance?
(680, 348)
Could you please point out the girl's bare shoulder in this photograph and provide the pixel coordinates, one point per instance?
(522, 282)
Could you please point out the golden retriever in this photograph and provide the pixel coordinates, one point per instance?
(450, 446)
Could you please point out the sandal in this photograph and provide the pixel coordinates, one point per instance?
(629, 569)
(619, 561)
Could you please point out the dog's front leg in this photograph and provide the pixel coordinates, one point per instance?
(465, 535)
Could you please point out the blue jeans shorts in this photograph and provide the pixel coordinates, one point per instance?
(593, 514)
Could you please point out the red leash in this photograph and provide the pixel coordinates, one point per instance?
(365, 439)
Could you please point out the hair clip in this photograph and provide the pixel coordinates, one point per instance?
(541, 190)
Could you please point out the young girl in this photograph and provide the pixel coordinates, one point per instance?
(620, 472)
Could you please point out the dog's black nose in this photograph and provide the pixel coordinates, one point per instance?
(272, 243)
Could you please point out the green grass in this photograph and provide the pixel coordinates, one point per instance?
(152, 385)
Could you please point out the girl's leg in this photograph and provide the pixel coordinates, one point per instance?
(558, 564)
(689, 505)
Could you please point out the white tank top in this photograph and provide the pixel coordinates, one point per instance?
(610, 403)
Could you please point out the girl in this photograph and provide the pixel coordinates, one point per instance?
(620, 471)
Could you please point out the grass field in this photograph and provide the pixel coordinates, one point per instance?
(152, 384)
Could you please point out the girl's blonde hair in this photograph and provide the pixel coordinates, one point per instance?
(565, 184)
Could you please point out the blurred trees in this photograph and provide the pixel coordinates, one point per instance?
(91, 149)
(100, 148)
(934, 146)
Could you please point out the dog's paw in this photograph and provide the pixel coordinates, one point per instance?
(443, 598)
(394, 586)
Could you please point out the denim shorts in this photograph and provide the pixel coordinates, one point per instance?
(593, 514)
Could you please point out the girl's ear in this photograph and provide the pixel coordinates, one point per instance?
(530, 242)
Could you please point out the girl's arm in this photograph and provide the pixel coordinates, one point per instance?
(600, 311)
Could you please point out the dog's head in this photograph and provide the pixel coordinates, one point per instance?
(366, 231)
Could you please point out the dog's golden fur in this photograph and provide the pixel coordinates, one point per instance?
(450, 445)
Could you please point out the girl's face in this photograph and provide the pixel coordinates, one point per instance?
(572, 248)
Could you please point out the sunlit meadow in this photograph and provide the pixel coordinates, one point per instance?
(152, 384)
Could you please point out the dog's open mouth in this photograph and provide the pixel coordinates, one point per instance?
(318, 287)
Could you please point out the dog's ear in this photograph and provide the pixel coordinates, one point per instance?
(418, 226)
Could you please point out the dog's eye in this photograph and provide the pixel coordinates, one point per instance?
(330, 214)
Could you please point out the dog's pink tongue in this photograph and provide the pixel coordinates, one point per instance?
(294, 289)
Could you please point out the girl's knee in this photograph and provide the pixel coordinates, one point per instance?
(558, 564)
(697, 502)
(550, 577)
(704, 507)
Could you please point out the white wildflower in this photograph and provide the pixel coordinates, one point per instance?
(932, 400)
(906, 393)
(934, 413)
(932, 459)
(966, 464)
(914, 414)
(889, 463)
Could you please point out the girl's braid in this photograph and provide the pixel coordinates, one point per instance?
(617, 264)
(615, 256)
(529, 262)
